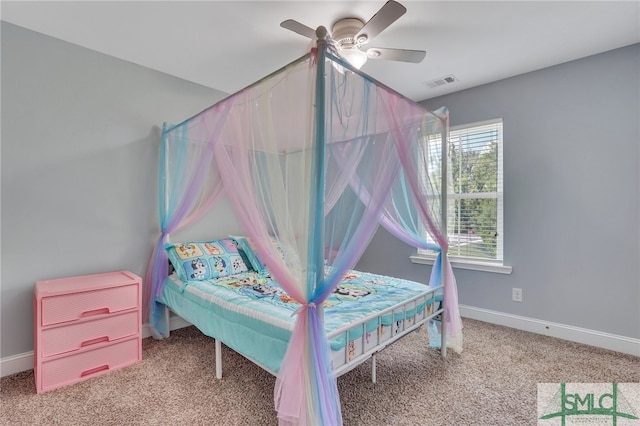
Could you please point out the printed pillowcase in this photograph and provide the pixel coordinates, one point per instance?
(247, 249)
(197, 261)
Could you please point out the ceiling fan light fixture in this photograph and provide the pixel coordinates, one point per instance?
(356, 57)
(350, 35)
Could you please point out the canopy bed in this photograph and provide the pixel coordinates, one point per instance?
(312, 159)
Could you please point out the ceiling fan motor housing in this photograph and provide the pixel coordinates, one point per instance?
(345, 30)
(350, 36)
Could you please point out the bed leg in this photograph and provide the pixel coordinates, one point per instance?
(218, 359)
(373, 368)
(167, 317)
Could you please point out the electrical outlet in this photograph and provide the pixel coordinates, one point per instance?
(516, 294)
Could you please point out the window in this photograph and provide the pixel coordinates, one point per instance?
(475, 197)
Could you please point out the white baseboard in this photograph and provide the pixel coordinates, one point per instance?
(175, 322)
(16, 364)
(24, 362)
(612, 342)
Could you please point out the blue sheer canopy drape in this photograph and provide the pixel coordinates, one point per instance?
(311, 159)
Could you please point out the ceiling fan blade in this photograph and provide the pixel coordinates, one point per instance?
(299, 28)
(387, 15)
(402, 55)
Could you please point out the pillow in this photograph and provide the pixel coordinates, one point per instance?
(197, 261)
(244, 257)
(245, 248)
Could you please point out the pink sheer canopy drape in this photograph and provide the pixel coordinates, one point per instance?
(308, 157)
(183, 197)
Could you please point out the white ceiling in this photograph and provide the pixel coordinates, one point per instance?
(228, 45)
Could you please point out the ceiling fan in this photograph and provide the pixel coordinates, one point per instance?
(351, 36)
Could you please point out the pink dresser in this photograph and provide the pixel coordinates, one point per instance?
(86, 326)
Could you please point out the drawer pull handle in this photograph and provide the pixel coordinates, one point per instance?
(94, 312)
(94, 341)
(94, 370)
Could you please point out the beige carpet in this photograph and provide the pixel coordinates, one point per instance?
(493, 382)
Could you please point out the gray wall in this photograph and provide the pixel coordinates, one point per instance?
(80, 138)
(80, 135)
(571, 191)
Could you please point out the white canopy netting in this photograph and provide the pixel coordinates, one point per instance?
(313, 157)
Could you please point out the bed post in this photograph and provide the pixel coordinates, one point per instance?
(443, 208)
(167, 318)
(164, 147)
(316, 240)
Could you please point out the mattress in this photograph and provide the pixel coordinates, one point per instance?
(251, 313)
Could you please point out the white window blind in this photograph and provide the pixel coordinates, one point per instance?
(475, 194)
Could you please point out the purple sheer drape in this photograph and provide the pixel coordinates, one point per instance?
(452, 323)
(279, 148)
(187, 191)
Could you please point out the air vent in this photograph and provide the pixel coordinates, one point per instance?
(448, 79)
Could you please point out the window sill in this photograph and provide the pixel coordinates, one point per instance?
(465, 264)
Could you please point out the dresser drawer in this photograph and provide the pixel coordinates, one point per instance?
(78, 335)
(85, 326)
(73, 368)
(74, 306)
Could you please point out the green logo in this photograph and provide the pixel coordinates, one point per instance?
(589, 403)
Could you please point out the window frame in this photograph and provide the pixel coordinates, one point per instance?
(481, 264)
